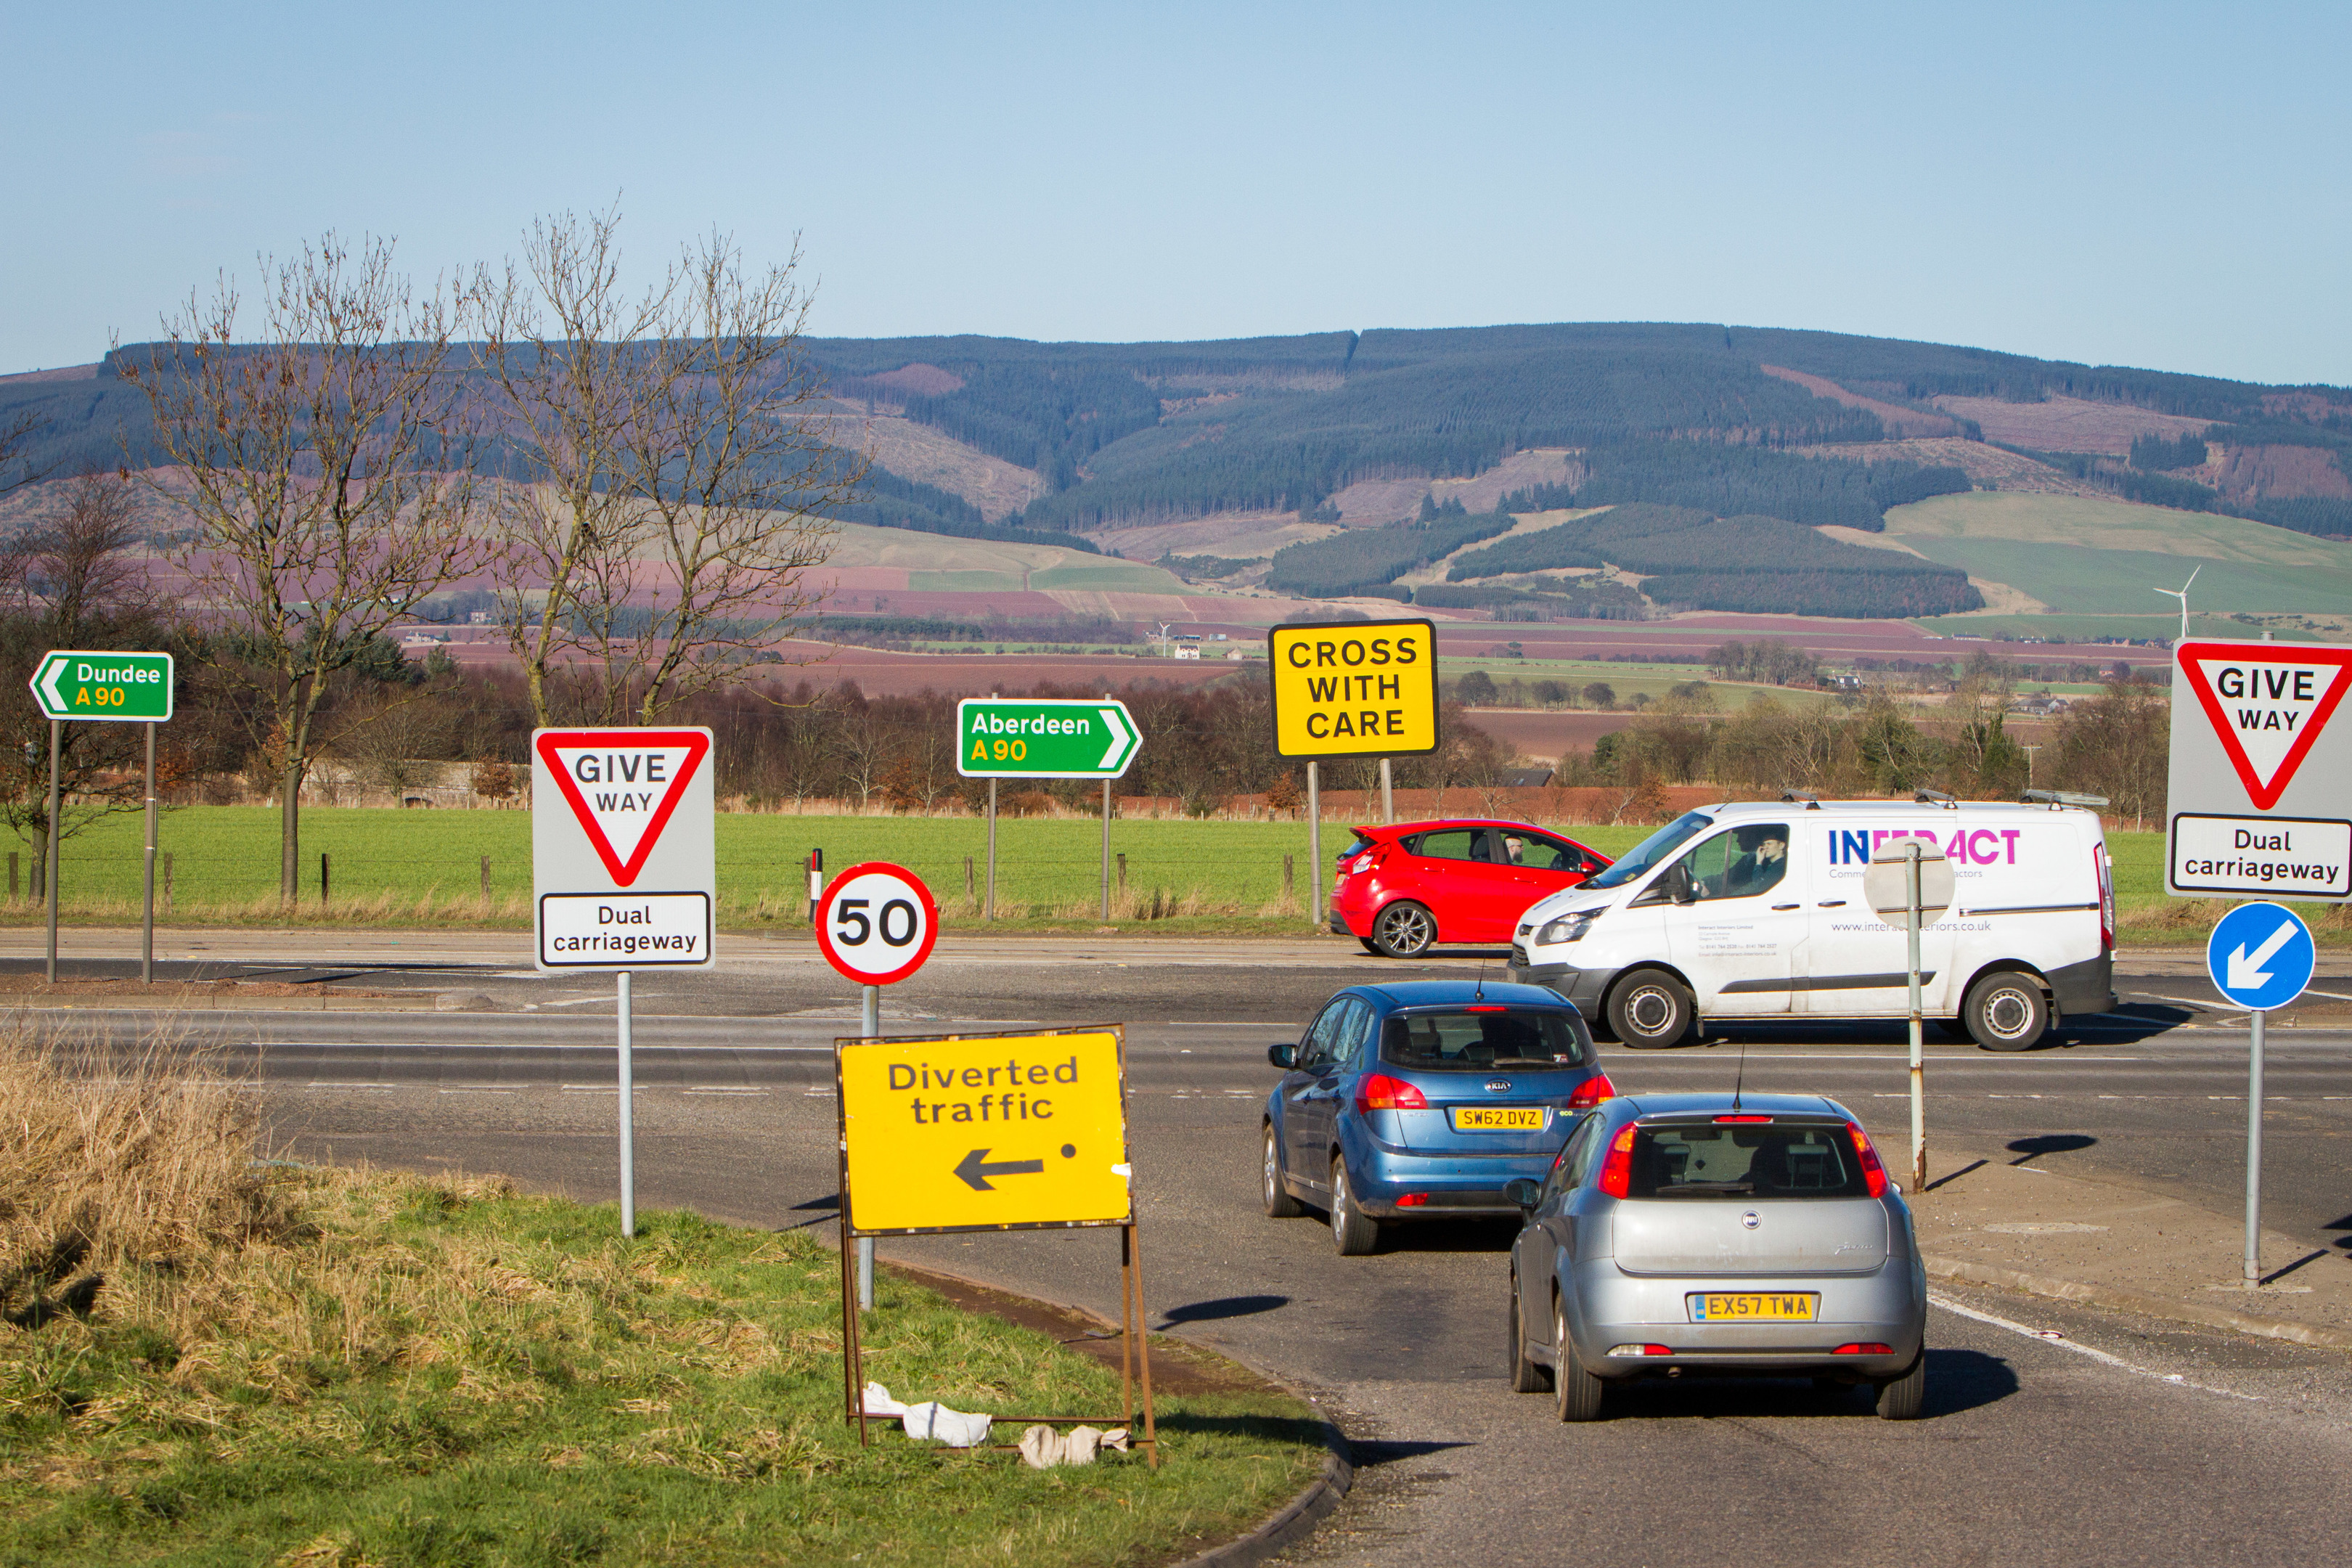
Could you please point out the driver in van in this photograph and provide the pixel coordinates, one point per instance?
(1763, 861)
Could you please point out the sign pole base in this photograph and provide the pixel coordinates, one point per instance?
(2254, 1150)
(870, 1024)
(147, 895)
(49, 871)
(1314, 843)
(988, 912)
(628, 1132)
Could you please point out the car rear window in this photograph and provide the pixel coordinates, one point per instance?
(1361, 843)
(1473, 1041)
(1774, 1160)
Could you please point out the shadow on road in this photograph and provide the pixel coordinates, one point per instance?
(2030, 1149)
(1223, 1307)
(1958, 1379)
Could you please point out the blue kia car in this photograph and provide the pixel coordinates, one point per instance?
(1421, 1099)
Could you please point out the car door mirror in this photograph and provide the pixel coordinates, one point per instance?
(1678, 885)
(1522, 1191)
(1285, 1056)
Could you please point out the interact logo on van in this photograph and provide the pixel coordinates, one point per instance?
(1967, 847)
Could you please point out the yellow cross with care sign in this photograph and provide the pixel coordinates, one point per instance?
(1358, 688)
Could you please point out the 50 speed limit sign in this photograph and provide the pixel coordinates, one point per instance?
(877, 922)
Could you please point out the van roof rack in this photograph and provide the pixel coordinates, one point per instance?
(2063, 797)
(1811, 801)
(1933, 797)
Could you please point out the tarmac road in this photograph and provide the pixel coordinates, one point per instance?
(2033, 1451)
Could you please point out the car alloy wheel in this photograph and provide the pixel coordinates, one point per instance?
(1404, 930)
(1353, 1232)
(1579, 1392)
(1279, 1203)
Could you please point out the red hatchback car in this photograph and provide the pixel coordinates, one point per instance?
(1404, 889)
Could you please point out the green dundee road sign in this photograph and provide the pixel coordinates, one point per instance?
(1044, 738)
(109, 686)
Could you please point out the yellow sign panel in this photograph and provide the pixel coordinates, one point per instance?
(981, 1130)
(1365, 688)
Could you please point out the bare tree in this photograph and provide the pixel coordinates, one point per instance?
(676, 491)
(19, 432)
(328, 469)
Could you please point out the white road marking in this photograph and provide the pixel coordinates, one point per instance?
(2050, 1337)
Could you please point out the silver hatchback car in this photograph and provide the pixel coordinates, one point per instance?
(1715, 1234)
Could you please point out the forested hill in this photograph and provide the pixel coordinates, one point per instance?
(1688, 415)
(1735, 421)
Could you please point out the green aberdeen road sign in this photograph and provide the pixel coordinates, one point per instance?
(120, 687)
(1044, 738)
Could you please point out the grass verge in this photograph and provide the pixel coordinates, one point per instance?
(206, 1359)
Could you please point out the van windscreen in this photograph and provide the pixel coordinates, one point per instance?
(1652, 851)
(1473, 1041)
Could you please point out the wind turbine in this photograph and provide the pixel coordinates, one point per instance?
(2181, 594)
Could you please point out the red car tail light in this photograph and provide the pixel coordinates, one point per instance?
(1381, 1093)
(1872, 1171)
(1486, 1007)
(1866, 1349)
(1412, 1200)
(1641, 1350)
(1617, 1165)
(1591, 1092)
(2103, 873)
(1744, 1118)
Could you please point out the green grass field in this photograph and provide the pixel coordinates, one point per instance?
(408, 867)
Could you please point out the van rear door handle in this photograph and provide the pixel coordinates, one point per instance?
(1832, 903)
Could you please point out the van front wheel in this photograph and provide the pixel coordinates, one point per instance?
(1650, 1007)
(2006, 1012)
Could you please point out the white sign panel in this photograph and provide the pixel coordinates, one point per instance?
(623, 860)
(2260, 774)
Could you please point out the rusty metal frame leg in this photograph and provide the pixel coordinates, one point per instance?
(1138, 1336)
(853, 1340)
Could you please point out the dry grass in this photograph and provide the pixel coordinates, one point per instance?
(215, 1358)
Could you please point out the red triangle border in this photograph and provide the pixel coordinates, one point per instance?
(2264, 796)
(697, 746)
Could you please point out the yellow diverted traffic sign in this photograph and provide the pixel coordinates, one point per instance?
(984, 1131)
(1364, 688)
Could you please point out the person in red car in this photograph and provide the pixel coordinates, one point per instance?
(1404, 889)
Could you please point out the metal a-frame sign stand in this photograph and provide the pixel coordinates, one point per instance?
(1058, 1123)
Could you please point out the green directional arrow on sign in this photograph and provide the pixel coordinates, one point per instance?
(1044, 738)
(109, 686)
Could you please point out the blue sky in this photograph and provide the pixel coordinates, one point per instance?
(2139, 185)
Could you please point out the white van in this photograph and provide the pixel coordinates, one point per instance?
(1755, 910)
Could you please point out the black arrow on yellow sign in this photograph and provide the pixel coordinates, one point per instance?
(975, 1172)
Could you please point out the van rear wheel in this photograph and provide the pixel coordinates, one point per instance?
(1650, 1007)
(2006, 1011)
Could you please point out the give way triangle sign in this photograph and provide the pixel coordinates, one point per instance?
(623, 786)
(2268, 702)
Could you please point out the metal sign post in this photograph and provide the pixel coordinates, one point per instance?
(108, 686)
(990, 1132)
(623, 873)
(1364, 688)
(875, 925)
(1044, 738)
(2260, 957)
(1909, 883)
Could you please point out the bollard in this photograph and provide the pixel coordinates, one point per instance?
(485, 881)
(12, 876)
(167, 882)
(322, 881)
(1287, 874)
(1122, 873)
(971, 885)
